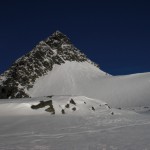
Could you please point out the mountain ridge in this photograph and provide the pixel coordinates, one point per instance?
(54, 50)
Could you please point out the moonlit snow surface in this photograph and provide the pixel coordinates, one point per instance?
(100, 128)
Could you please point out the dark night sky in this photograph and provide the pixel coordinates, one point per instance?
(114, 34)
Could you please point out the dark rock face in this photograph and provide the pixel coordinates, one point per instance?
(93, 108)
(56, 49)
(72, 102)
(63, 111)
(67, 105)
(74, 109)
(42, 104)
(8, 91)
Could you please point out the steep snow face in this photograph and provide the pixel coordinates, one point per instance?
(66, 79)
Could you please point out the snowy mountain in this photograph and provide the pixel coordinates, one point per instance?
(64, 101)
(44, 58)
(56, 67)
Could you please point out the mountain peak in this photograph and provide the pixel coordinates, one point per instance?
(55, 50)
(57, 32)
(57, 38)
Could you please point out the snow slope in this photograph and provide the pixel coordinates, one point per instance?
(83, 78)
(122, 91)
(66, 79)
(25, 128)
